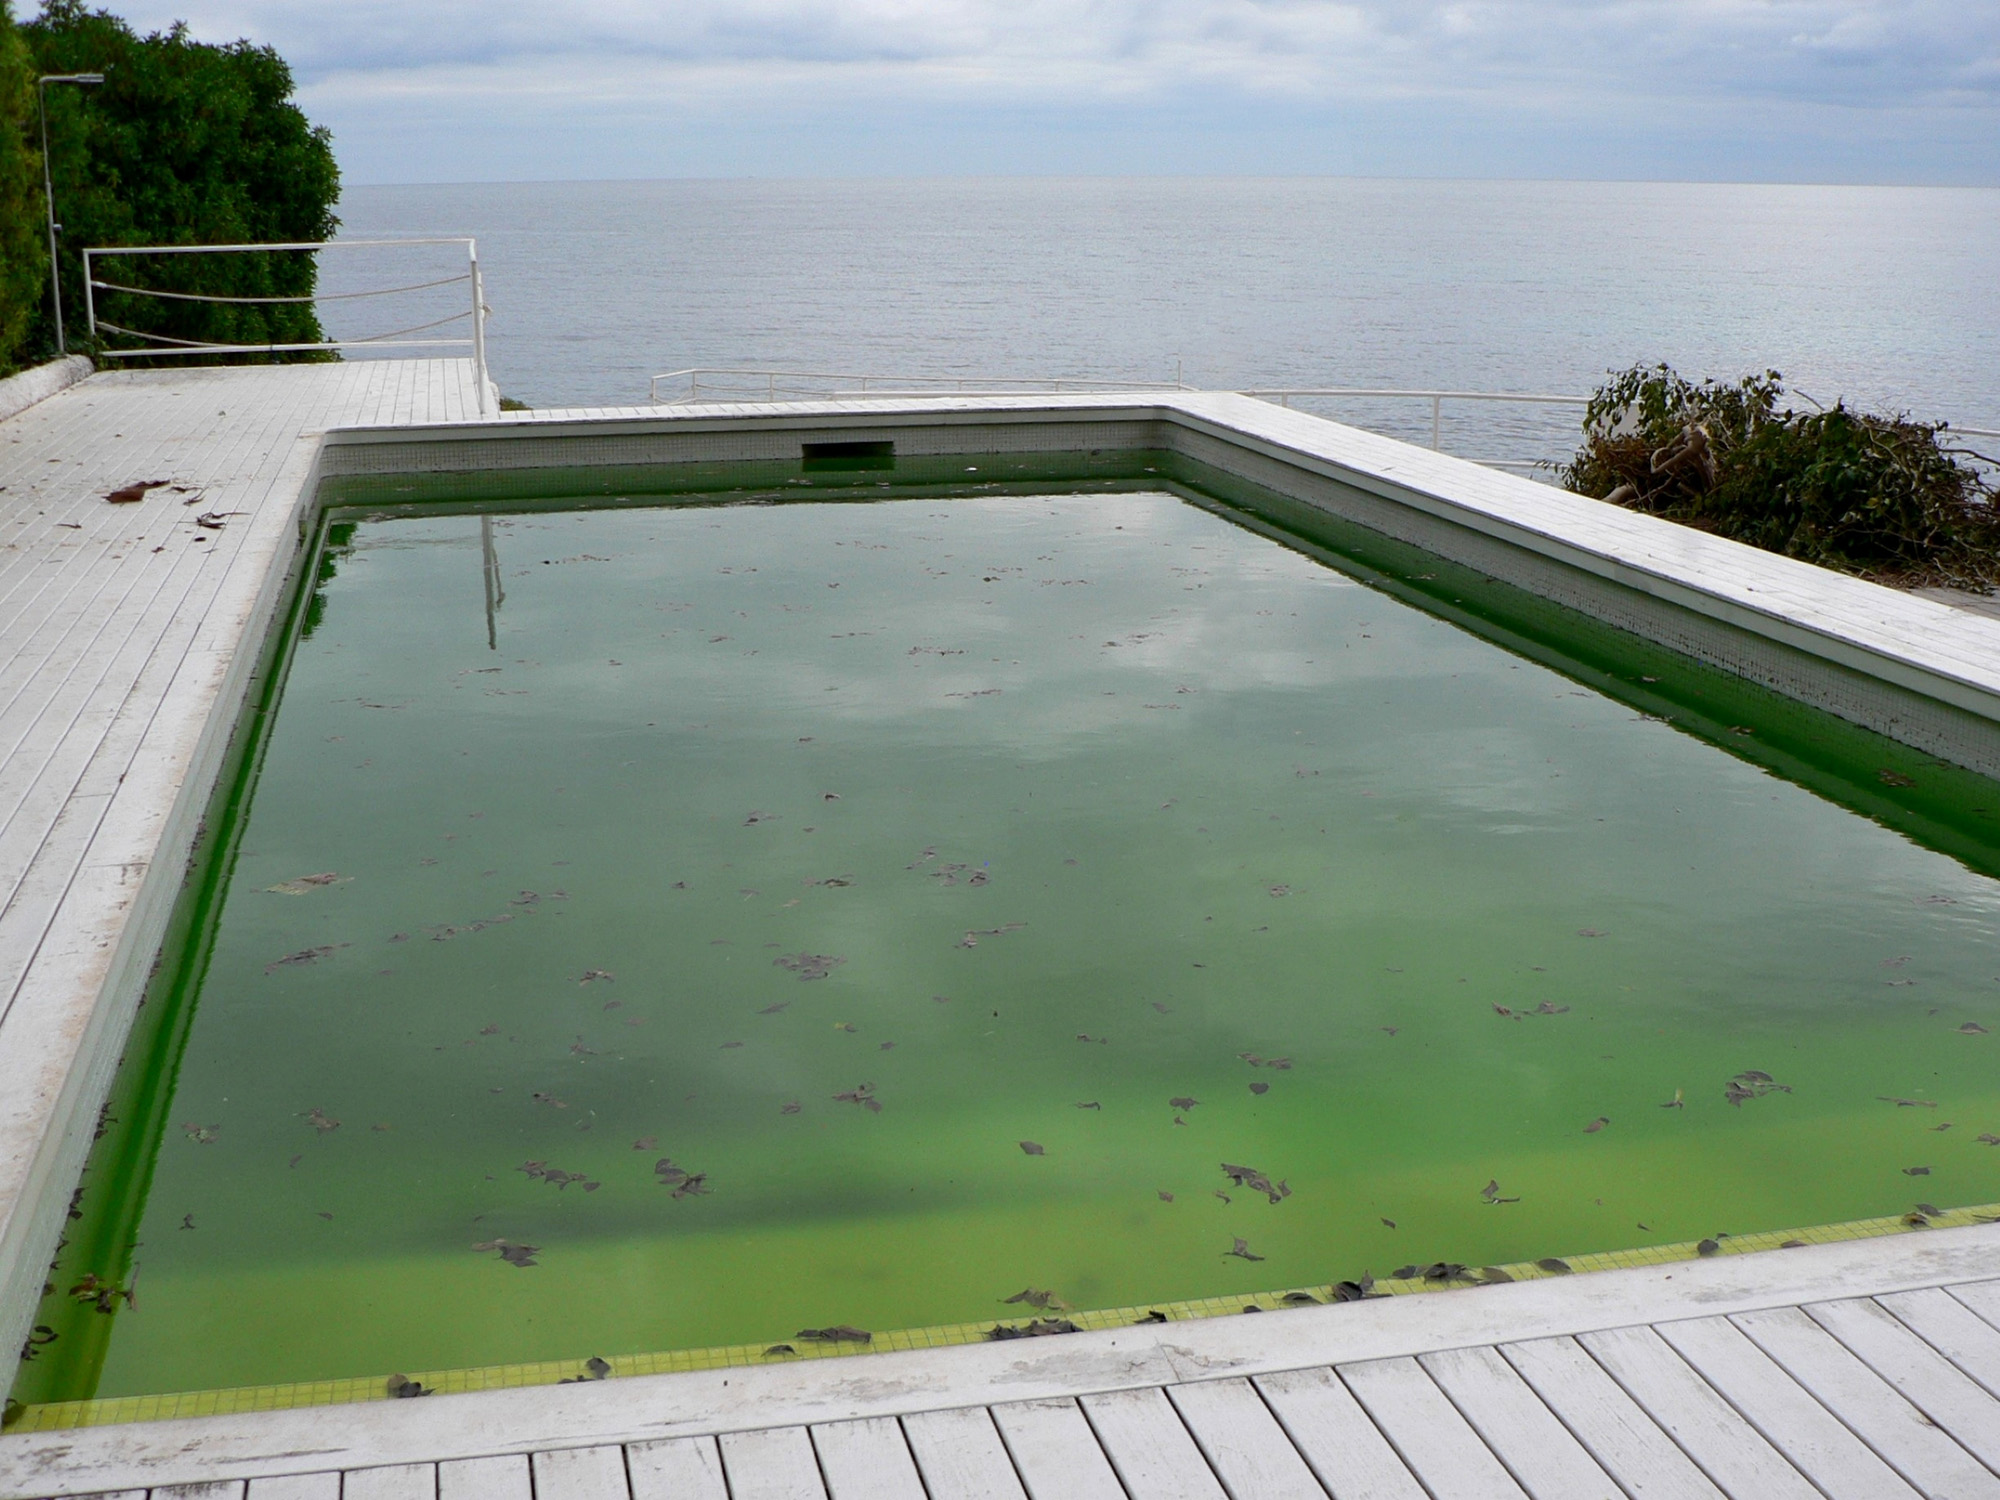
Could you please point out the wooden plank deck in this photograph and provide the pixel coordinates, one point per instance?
(1856, 1397)
(1860, 1369)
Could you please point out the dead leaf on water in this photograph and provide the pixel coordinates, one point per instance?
(513, 1254)
(1916, 1171)
(809, 965)
(1260, 1088)
(1596, 1125)
(305, 885)
(1183, 1103)
(320, 1120)
(1972, 1028)
(1241, 1250)
(791, 1108)
(840, 1333)
(1031, 1148)
(303, 956)
(1907, 1103)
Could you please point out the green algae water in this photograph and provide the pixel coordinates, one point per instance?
(655, 928)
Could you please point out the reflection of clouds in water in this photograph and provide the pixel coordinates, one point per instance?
(1023, 592)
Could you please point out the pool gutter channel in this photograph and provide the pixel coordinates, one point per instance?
(1913, 670)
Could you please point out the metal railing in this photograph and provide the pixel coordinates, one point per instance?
(706, 384)
(1285, 396)
(162, 346)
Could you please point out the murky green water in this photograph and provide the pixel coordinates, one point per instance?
(1019, 818)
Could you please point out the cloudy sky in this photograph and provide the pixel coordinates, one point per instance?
(1795, 90)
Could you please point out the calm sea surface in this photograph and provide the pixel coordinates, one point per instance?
(1888, 296)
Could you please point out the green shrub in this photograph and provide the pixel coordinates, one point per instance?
(1883, 496)
(184, 143)
(24, 260)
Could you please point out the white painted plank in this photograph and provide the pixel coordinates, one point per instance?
(960, 1455)
(1983, 1297)
(1150, 1447)
(1926, 1379)
(227, 1489)
(676, 1469)
(1903, 1437)
(865, 1459)
(1337, 1437)
(504, 1477)
(1055, 1452)
(298, 1487)
(393, 1482)
(1242, 1441)
(776, 1463)
(1620, 1436)
(1544, 1457)
(581, 1474)
(1953, 1329)
(1434, 1440)
(1707, 1428)
(1818, 1444)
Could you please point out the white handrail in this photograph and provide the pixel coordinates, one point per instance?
(160, 345)
(1437, 400)
(727, 384)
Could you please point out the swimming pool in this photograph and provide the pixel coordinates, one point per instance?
(661, 926)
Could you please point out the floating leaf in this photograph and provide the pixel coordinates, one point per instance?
(205, 1135)
(1040, 1328)
(1907, 1103)
(789, 1108)
(1972, 1028)
(840, 1333)
(514, 1255)
(1043, 1300)
(1031, 1148)
(304, 885)
(1555, 1265)
(303, 956)
(1183, 1103)
(809, 965)
(1674, 1103)
(1596, 1125)
(321, 1121)
(1260, 1088)
(1708, 1247)
(772, 1010)
(780, 1349)
(1241, 1250)
(401, 1387)
(1550, 1008)
(1155, 1316)
(1167, 1197)
(1089, 1104)
(1916, 1171)
(591, 976)
(1300, 1299)
(646, 1143)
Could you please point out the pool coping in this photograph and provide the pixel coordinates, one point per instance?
(1925, 650)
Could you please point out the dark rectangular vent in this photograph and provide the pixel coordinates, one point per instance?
(849, 455)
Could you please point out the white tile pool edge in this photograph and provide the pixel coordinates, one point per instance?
(82, 989)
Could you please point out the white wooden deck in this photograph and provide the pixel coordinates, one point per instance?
(1717, 1377)
(1862, 1369)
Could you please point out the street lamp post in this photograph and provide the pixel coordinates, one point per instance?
(49, 191)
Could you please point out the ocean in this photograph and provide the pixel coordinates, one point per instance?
(1887, 297)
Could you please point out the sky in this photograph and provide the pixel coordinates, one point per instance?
(1885, 91)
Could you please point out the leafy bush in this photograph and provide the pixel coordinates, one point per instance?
(24, 261)
(1883, 496)
(184, 143)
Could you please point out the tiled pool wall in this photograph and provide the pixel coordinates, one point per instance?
(1292, 480)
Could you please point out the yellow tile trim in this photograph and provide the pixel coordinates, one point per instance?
(57, 1415)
